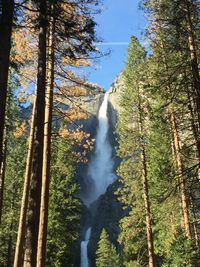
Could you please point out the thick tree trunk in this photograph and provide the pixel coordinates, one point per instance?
(24, 204)
(176, 140)
(194, 62)
(42, 237)
(146, 192)
(6, 19)
(36, 170)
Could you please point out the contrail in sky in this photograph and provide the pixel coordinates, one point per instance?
(112, 43)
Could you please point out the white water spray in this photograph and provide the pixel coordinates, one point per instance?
(100, 170)
(84, 250)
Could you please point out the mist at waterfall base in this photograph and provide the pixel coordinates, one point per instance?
(100, 170)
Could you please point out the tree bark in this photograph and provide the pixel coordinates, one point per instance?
(182, 181)
(6, 20)
(36, 170)
(18, 259)
(177, 150)
(42, 237)
(194, 63)
(146, 191)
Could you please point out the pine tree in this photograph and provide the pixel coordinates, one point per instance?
(135, 123)
(42, 235)
(15, 165)
(25, 195)
(106, 254)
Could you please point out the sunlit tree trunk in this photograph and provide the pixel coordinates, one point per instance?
(146, 189)
(42, 237)
(24, 204)
(6, 20)
(177, 148)
(37, 160)
(193, 57)
(182, 182)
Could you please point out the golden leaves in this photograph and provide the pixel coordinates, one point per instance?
(77, 62)
(20, 130)
(25, 55)
(82, 142)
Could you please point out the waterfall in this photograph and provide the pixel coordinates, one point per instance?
(100, 170)
(84, 251)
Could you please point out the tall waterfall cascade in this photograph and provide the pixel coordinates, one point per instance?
(100, 170)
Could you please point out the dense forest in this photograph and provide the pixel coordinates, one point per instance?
(43, 46)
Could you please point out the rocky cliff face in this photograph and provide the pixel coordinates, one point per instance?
(114, 98)
(89, 102)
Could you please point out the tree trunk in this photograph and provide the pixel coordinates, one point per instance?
(146, 191)
(194, 62)
(177, 148)
(36, 169)
(6, 19)
(42, 237)
(24, 204)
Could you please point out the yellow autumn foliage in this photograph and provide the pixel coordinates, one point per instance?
(20, 130)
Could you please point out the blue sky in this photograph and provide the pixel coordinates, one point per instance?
(119, 20)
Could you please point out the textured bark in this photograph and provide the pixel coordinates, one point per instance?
(6, 19)
(36, 169)
(24, 204)
(177, 150)
(146, 192)
(42, 237)
(194, 62)
(182, 182)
